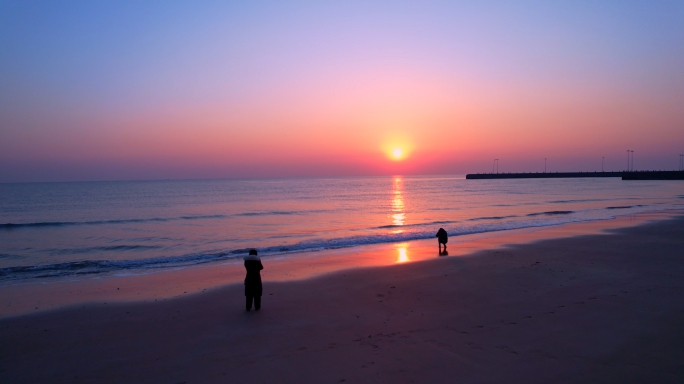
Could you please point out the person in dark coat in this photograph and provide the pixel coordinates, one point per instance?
(253, 280)
(442, 239)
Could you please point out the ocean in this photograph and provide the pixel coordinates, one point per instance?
(84, 229)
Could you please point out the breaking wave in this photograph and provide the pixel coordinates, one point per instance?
(104, 222)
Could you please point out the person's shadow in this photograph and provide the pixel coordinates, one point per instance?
(444, 253)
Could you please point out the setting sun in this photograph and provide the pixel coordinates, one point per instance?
(397, 147)
(397, 153)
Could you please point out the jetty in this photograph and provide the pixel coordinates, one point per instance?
(626, 175)
(653, 175)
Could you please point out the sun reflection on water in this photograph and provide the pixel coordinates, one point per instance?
(398, 215)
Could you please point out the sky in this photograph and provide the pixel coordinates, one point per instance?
(128, 90)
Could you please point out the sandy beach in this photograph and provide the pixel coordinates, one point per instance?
(602, 307)
(149, 148)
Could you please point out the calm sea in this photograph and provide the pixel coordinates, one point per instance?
(89, 228)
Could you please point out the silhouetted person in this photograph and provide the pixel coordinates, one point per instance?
(442, 239)
(253, 280)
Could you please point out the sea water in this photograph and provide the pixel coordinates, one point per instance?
(92, 228)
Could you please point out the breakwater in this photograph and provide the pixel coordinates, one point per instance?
(541, 175)
(653, 175)
(633, 175)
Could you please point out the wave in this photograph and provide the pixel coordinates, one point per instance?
(271, 213)
(625, 206)
(92, 267)
(376, 235)
(389, 226)
(577, 201)
(111, 248)
(101, 222)
(492, 218)
(10, 226)
(550, 213)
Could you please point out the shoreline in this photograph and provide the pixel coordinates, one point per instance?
(602, 307)
(23, 298)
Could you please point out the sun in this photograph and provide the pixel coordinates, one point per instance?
(397, 150)
(397, 153)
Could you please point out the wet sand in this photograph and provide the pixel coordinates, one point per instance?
(592, 308)
(158, 285)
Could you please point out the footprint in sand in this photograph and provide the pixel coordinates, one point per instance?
(505, 348)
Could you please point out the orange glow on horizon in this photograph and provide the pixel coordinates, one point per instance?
(417, 128)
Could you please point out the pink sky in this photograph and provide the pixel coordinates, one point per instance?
(298, 104)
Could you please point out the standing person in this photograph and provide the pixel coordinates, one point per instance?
(253, 280)
(442, 239)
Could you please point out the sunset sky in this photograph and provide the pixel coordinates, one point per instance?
(118, 90)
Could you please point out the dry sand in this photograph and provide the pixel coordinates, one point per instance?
(589, 309)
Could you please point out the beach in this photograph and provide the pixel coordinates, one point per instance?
(433, 192)
(598, 307)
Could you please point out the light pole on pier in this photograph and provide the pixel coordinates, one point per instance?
(628, 160)
(545, 165)
(632, 169)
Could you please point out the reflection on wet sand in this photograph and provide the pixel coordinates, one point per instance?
(403, 255)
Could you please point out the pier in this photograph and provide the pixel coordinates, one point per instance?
(631, 175)
(653, 175)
